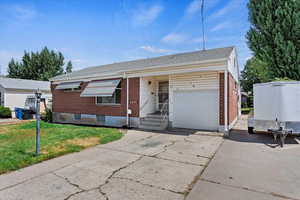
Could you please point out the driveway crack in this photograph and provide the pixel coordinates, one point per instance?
(165, 147)
(149, 185)
(113, 173)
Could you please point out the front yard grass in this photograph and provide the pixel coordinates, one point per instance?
(17, 142)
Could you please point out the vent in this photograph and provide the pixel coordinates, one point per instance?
(101, 118)
(77, 116)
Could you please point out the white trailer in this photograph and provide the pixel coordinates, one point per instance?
(276, 107)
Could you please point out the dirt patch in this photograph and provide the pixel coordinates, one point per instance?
(4, 130)
(56, 149)
(84, 142)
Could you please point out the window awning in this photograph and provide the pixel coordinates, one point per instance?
(100, 88)
(64, 86)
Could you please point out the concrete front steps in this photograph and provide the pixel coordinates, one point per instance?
(153, 122)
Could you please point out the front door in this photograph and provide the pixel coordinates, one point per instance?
(163, 95)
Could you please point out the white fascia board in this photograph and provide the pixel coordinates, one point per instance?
(120, 73)
(87, 79)
(180, 71)
(177, 65)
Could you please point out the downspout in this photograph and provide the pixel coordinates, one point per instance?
(226, 103)
(127, 102)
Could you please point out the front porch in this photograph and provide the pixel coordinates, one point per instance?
(154, 102)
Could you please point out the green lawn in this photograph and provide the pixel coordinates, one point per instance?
(17, 142)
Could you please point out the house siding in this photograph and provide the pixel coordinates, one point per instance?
(70, 102)
(232, 99)
(190, 82)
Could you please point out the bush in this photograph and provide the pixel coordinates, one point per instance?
(5, 112)
(246, 111)
(47, 116)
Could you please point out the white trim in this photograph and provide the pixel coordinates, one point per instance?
(226, 102)
(231, 125)
(201, 69)
(169, 72)
(181, 64)
(119, 73)
(127, 101)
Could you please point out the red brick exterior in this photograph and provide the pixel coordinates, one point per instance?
(71, 102)
(232, 99)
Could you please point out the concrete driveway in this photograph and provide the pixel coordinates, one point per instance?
(251, 167)
(142, 165)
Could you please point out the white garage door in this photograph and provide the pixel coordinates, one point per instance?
(196, 109)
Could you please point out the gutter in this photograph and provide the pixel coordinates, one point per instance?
(119, 73)
(226, 103)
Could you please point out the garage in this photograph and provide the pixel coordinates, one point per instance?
(196, 109)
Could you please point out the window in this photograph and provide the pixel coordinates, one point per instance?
(72, 89)
(77, 116)
(100, 118)
(114, 99)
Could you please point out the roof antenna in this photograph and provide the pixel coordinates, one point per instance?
(202, 20)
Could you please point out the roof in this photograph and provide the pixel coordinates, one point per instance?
(23, 84)
(277, 83)
(169, 60)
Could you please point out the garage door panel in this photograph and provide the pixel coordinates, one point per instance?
(196, 109)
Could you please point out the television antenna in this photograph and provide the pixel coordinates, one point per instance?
(202, 21)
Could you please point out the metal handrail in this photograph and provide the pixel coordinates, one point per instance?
(164, 111)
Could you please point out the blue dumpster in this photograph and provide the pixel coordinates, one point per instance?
(19, 113)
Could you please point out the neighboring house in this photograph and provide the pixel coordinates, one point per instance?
(196, 90)
(20, 92)
(244, 96)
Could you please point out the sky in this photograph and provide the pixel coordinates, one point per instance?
(96, 32)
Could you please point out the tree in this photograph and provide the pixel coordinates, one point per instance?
(14, 69)
(274, 36)
(37, 66)
(255, 71)
(69, 67)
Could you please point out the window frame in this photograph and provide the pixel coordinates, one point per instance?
(119, 88)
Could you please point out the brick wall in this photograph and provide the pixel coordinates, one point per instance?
(71, 102)
(232, 99)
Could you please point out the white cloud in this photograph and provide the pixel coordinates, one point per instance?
(220, 26)
(194, 7)
(174, 38)
(78, 61)
(145, 16)
(230, 7)
(154, 49)
(23, 12)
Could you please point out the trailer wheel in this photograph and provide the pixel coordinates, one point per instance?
(250, 130)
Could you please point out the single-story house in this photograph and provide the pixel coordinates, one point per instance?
(21, 93)
(195, 90)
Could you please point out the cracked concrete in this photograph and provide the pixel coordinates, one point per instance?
(46, 187)
(142, 165)
(123, 189)
(172, 176)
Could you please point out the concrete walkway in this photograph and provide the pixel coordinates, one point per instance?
(251, 167)
(142, 165)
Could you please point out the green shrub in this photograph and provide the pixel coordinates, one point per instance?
(47, 116)
(246, 111)
(5, 112)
